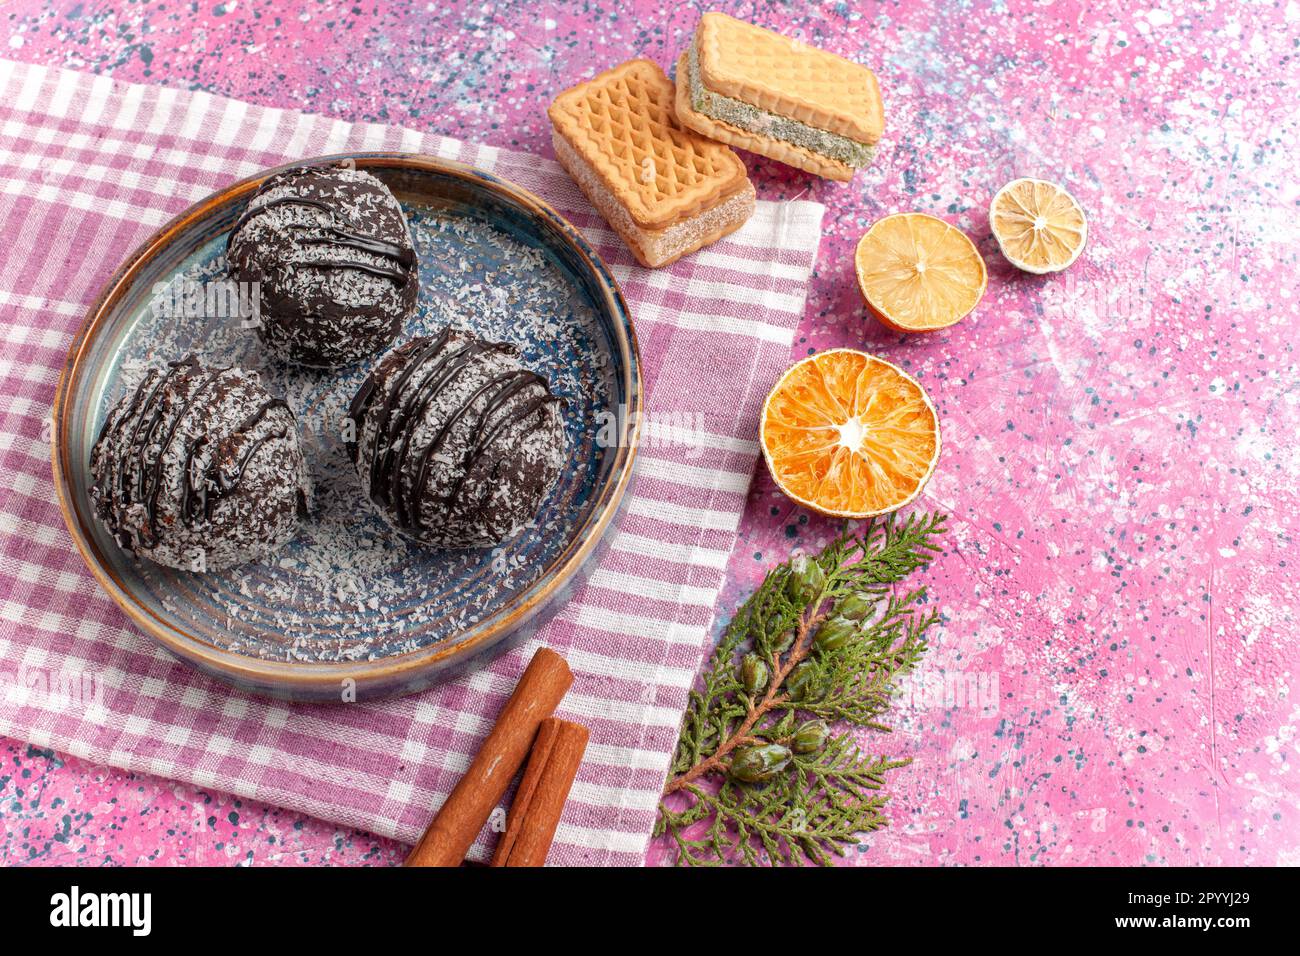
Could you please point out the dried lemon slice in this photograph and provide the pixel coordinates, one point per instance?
(917, 273)
(849, 435)
(1038, 225)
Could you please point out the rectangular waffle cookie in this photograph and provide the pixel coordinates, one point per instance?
(664, 189)
(779, 97)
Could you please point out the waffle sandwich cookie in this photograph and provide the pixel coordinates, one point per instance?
(778, 97)
(665, 190)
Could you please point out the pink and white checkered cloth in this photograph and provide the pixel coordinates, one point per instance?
(88, 169)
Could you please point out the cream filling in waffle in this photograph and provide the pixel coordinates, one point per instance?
(656, 246)
(752, 119)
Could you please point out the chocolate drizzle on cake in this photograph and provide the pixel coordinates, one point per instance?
(253, 210)
(403, 257)
(332, 255)
(457, 443)
(199, 460)
(216, 482)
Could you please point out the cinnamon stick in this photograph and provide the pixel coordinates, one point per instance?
(470, 803)
(543, 744)
(535, 813)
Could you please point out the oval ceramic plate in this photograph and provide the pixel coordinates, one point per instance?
(349, 603)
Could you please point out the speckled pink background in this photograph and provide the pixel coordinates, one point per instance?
(1112, 680)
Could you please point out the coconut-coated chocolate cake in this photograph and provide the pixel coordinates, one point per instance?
(200, 468)
(456, 442)
(332, 254)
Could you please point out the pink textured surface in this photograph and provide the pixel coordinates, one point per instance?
(1119, 453)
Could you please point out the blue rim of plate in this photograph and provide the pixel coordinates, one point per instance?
(398, 673)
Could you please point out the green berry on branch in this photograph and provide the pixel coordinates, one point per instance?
(811, 737)
(834, 633)
(801, 685)
(753, 673)
(759, 764)
(856, 606)
(806, 579)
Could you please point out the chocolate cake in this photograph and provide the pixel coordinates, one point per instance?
(199, 469)
(331, 252)
(455, 441)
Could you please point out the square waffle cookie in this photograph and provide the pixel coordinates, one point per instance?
(664, 189)
(778, 97)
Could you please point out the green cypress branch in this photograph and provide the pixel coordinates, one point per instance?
(758, 775)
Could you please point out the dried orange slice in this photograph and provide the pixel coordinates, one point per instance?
(918, 273)
(849, 435)
(1038, 225)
